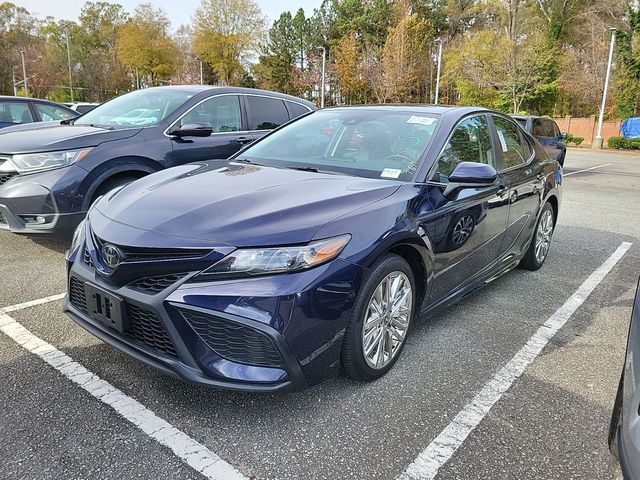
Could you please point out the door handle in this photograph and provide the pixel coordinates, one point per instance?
(243, 140)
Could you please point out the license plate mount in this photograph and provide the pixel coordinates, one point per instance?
(106, 308)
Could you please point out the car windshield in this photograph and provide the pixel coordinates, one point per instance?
(136, 109)
(374, 143)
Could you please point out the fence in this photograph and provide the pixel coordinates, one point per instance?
(587, 128)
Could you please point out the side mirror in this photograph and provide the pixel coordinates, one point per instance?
(192, 130)
(564, 135)
(470, 175)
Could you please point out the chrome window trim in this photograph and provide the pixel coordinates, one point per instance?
(238, 132)
(524, 137)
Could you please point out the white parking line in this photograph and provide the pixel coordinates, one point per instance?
(586, 169)
(187, 449)
(32, 303)
(445, 445)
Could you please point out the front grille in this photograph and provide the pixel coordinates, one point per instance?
(154, 254)
(234, 341)
(145, 327)
(86, 258)
(5, 177)
(153, 285)
(76, 294)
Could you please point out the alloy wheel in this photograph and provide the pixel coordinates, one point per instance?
(463, 229)
(386, 320)
(543, 235)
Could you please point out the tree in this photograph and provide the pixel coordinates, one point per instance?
(276, 69)
(144, 45)
(353, 85)
(227, 34)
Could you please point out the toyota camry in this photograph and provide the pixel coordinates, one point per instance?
(314, 249)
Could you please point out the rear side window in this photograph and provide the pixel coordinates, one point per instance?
(469, 142)
(544, 128)
(515, 148)
(51, 113)
(522, 122)
(295, 109)
(266, 113)
(15, 112)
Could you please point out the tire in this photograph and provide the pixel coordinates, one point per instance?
(112, 183)
(615, 419)
(355, 363)
(531, 261)
(461, 229)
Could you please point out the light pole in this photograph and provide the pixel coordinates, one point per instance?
(24, 75)
(66, 31)
(439, 42)
(13, 76)
(201, 74)
(597, 142)
(322, 88)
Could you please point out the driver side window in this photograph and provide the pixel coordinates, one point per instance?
(469, 142)
(221, 112)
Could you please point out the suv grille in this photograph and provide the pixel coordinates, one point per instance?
(154, 254)
(5, 177)
(234, 341)
(153, 285)
(86, 258)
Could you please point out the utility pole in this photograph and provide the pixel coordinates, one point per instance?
(324, 56)
(24, 75)
(66, 31)
(13, 76)
(597, 142)
(201, 74)
(439, 42)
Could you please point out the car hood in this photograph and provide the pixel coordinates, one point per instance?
(239, 205)
(50, 136)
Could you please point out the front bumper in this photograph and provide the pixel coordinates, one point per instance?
(302, 316)
(42, 202)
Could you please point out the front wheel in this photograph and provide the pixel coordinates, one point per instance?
(541, 241)
(380, 321)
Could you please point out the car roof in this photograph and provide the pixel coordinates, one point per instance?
(198, 89)
(525, 117)
(444, 110)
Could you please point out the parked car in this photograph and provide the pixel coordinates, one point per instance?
(21, 110)
(51, 173)
(546, 131)
(82, 107)
(624, 431)
(316, 247)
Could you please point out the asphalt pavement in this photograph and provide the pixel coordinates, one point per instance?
(551, 422)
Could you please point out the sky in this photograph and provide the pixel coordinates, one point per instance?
(179, 11)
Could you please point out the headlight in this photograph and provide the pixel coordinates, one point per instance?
(262, 261)
(36, 162)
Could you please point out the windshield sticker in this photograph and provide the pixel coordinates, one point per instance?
(421, 120)
(503, 144)
(390, 173)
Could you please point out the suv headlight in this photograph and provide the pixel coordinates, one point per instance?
(37, 162)
(265, 261)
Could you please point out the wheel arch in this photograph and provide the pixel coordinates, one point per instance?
(130, 166)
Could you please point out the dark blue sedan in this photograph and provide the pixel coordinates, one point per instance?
(50, 173)
(315, 248)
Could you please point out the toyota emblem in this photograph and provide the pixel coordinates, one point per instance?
(111, 255)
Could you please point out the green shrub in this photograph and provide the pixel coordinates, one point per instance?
(572, 139)
(624, 143)
(616, 142)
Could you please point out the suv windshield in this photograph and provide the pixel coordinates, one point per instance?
(374, 143)
(136, 109)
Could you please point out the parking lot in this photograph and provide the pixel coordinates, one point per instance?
(549, 422)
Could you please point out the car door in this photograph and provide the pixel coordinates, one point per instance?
(468, 225)
(15, 113)
(522, 171)
(264, 114)
(224, 114)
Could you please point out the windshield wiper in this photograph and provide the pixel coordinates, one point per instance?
(94, 125)
(243, 160)
(304, 168)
